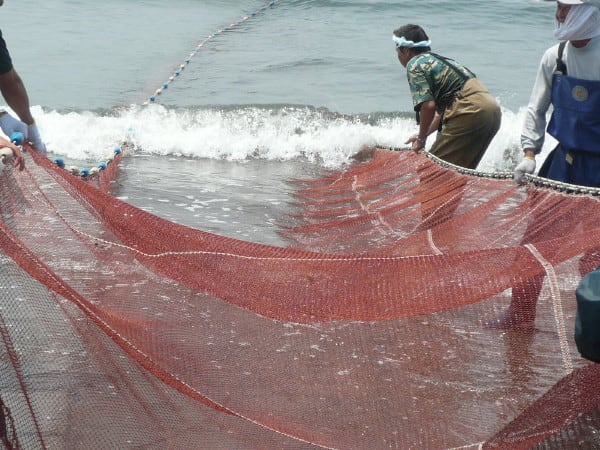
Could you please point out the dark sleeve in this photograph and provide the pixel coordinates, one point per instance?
(5, 61)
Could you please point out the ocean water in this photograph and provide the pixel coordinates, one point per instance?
(251, 97)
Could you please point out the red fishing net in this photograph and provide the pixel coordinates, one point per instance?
(375, 328)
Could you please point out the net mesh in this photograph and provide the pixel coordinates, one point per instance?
(375, 328)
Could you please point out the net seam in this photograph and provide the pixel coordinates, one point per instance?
(478, 445)
(556, 306)
(366, 208)
(432, 245)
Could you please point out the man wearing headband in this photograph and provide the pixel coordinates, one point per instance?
(568, 78)
(448, 99)
(14, 93)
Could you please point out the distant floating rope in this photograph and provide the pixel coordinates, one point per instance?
(188, 59)
(88, 172)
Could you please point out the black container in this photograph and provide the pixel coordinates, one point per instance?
(587, 321)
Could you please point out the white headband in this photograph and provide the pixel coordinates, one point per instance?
(401, 42)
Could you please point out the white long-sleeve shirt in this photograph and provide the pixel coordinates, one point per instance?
(581, 63)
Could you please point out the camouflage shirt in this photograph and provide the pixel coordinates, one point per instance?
(430, 78)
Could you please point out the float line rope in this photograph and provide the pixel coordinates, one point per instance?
(188, 59)
(86, 172)
(534, 179)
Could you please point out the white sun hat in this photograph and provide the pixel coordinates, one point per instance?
(595, 3)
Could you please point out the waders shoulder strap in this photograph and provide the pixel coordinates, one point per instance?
(560, 65)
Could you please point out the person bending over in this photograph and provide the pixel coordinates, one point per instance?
(448, 99)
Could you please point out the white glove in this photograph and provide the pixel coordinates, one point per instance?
(525, 166)
(33, 136)
(9, 125)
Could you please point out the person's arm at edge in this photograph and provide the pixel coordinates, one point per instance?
(534, 125)
(14, 92)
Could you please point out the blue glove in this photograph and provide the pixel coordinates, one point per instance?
(9, 124)
(33, 136)
(525, 166)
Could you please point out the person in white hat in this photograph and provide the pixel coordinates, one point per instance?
(576, 159)
(568, 78)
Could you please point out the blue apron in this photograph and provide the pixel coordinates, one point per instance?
(575, 123)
